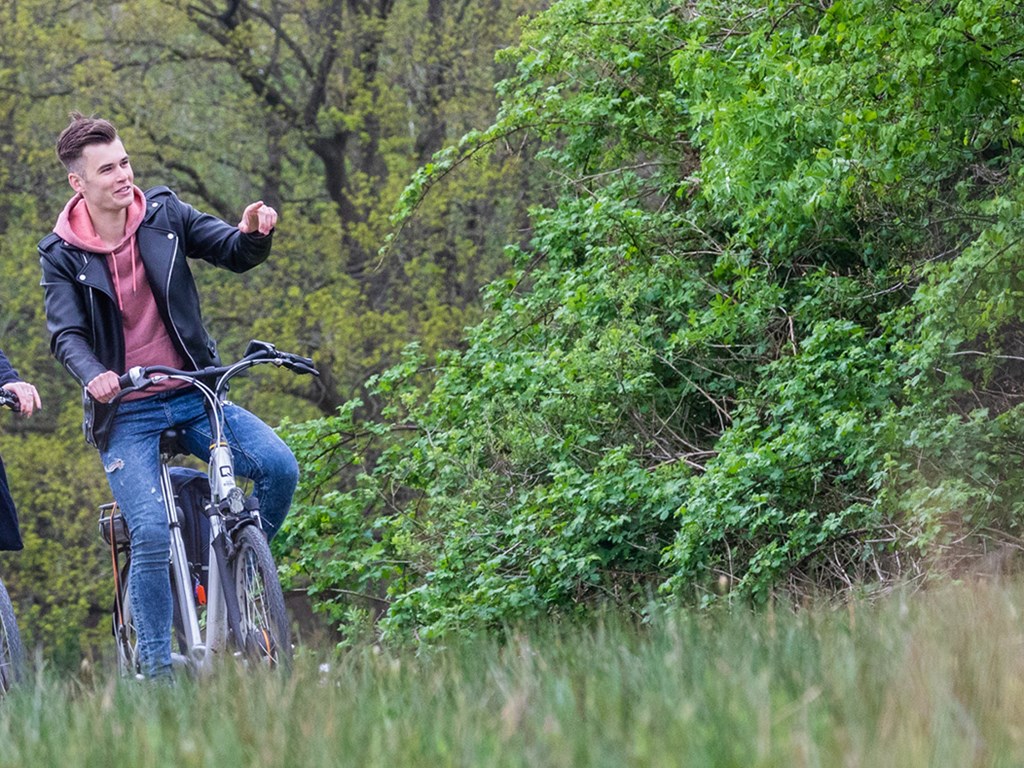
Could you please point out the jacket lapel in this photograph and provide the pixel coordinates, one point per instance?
(158, 248)
(95, 275)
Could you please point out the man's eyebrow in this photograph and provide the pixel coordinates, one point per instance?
(108, 166)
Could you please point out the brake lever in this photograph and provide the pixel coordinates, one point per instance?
(296, 363)
(300, 367)
(134, 378)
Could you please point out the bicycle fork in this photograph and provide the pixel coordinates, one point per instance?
(217, 607)
(224, 491)
(221, 606)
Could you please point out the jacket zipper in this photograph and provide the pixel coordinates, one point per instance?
(167, 293)
(92, 301)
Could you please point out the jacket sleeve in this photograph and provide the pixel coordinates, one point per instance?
(7, 372)
(66, 320)
(219, 243)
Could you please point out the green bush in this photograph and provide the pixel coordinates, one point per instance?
(766, 339)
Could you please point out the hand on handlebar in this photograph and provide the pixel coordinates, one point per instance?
(28, 397)
(104, 387)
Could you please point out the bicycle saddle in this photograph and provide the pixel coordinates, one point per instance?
(171, 443)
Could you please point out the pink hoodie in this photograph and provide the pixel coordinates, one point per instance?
(146, 339)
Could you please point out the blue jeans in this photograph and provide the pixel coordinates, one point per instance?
(131, 461)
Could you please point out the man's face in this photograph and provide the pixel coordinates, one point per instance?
(104, 178)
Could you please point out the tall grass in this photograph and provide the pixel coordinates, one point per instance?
(917, 680)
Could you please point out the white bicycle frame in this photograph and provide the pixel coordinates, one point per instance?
(221, 474)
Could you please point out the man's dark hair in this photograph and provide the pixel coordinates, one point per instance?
(80, 133)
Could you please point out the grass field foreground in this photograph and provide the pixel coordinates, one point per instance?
(922, 679)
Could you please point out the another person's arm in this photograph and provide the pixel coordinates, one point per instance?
(28, 397)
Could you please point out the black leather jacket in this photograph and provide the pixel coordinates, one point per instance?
(82, 316)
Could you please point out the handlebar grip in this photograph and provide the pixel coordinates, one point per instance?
(301, 365)
(10, 399)
(136, 376)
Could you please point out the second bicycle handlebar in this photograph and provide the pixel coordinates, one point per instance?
(9, 399)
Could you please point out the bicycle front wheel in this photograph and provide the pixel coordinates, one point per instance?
(263, 633)
(11, 654)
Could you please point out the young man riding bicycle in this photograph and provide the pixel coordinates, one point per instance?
(119, 294)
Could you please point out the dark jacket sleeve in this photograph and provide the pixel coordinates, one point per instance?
(66, 318)
(10, 533)
(217, 242)
(7, 372)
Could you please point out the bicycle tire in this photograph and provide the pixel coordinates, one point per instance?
(263, 634)
(11, 652)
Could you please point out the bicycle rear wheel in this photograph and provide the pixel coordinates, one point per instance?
(125, 635)
(11, 654)
(263, 634)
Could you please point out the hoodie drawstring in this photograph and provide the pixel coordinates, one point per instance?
(117, 275)
(117, 281)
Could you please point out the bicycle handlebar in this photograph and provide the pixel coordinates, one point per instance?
(9, 399)
(141, 377)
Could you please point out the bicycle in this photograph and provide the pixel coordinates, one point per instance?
(12, 654)
(227, 594)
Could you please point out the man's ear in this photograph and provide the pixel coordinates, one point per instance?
(75, 181)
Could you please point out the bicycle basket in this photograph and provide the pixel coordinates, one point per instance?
(112, 521)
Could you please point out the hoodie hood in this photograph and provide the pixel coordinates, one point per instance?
(75, 225)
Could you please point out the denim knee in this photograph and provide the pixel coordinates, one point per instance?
(276, 487)
(151, 542)
(283, 468)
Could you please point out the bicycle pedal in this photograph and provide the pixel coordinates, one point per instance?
(179, 662)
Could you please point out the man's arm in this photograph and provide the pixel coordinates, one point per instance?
(66, 318)
(7, 372)
(237, 248)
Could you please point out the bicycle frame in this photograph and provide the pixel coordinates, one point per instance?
(226, 499)
(216, 616)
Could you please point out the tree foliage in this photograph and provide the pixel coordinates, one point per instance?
(766, 338)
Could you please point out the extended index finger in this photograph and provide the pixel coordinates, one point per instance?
(250, 217)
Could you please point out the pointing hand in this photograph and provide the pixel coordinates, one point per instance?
(258, 217)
